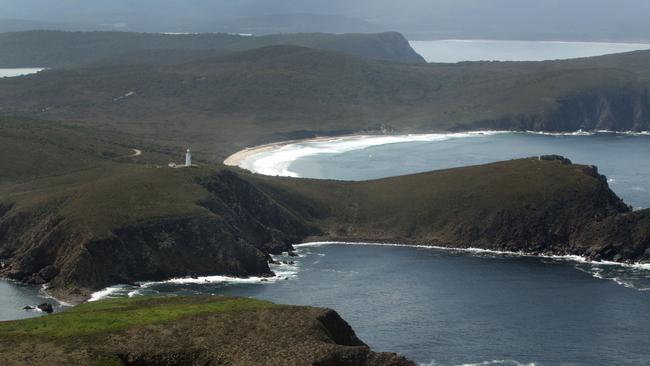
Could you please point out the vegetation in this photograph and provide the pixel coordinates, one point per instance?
(118, 314)
(220, 104)
(56, 48)
(186, 331)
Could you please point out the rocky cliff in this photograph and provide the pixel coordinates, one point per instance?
(229, 228)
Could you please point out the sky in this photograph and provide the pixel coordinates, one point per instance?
(526, 18)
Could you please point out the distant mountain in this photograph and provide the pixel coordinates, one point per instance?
(55, 48)
(294, 23)
(614, 20)
(254, 25)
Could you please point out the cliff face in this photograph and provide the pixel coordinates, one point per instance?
(177, 331)
(618, 110)
(624, 237)
(234, 229)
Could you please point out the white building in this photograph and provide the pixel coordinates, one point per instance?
(188, 158)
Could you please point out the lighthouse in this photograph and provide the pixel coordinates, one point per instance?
(188, 158)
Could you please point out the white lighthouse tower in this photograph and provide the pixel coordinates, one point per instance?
(188, 158)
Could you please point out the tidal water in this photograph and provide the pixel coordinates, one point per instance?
(491, 50)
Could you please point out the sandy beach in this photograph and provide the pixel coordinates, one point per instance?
(237, 158)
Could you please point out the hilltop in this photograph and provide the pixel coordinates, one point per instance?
(215, 330)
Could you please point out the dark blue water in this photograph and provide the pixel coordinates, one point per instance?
(623, 158)
(453, 308)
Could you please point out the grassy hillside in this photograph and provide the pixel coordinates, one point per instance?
(56, 48)
(224, 103)
(177, 330)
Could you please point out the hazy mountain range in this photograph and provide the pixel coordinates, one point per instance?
(498, 19)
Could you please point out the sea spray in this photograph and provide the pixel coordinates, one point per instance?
(282, 271)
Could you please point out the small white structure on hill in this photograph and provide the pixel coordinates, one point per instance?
(188, 158)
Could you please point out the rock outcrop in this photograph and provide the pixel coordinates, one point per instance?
(190, 331)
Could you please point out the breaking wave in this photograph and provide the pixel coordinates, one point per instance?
(484, 363)
(282, 271)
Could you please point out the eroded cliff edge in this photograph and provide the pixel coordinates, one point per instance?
(134, 223)
(188, 331)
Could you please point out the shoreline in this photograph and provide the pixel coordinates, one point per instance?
(236, 159)
(566, 257)
(284, 273)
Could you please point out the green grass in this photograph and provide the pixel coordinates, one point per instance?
(117, 314)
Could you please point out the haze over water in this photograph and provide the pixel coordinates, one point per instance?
(451, 51)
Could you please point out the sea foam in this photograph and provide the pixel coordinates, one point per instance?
(277, 161)
(281, 270)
